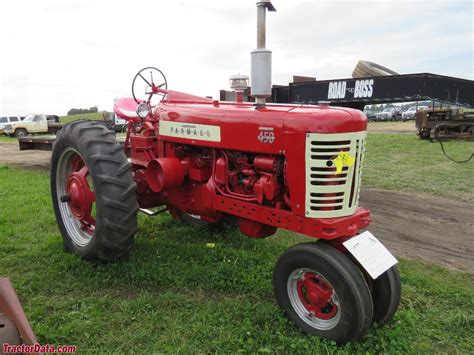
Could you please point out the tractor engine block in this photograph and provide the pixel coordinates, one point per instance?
(249, 177)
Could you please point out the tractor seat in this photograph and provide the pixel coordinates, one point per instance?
(126, 108)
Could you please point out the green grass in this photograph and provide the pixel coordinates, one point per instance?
(88, 116)
(175, 294)
(404, 162)
(4, 138)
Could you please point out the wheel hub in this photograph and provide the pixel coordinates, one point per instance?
(316, 295)
(80, 197)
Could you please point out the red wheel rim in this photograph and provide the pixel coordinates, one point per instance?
(80, 195)
(315, 294)
(313, 298)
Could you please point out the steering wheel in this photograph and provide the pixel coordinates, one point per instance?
(147, 85)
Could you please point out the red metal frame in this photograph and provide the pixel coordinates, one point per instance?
(259, 182)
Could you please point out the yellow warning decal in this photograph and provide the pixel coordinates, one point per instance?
(343, 158)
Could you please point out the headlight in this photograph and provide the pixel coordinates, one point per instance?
(143, 110)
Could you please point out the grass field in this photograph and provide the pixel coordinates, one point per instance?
(88, 116)
(6, 139)
(175, 294)
(405, 163)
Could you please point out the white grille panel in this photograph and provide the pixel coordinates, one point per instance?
(327, 194)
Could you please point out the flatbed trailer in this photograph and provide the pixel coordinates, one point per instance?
(44, 142)
(36, 142)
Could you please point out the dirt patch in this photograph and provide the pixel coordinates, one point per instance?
(10, 154)
(392, 127)
(422, 227)
(413, 226)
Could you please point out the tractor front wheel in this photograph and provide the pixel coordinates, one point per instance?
(386, 293)
(323, 292)
(93, 192)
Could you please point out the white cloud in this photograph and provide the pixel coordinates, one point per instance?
(57, 54)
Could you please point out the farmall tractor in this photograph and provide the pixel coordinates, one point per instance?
(260, 166)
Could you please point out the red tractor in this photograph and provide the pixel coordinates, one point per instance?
(261, 166)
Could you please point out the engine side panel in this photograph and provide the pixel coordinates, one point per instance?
(218, 159)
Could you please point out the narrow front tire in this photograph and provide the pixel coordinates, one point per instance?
(323, 292)
(386, 294)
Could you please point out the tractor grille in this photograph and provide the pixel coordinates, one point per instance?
(329, 194)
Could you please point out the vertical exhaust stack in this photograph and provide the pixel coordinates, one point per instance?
(261, 64)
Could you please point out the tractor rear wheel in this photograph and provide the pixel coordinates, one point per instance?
(323, 292)
(93, 192)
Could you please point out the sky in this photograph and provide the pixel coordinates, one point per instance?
(61, 54)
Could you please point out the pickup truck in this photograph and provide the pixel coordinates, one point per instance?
(411, 112)
(35, 123)
(389, 114)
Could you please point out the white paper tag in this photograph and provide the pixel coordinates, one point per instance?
(370, 253)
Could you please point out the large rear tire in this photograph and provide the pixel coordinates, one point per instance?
(93, 192)
(323, 292)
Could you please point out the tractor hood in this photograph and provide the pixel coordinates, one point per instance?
(242, 126)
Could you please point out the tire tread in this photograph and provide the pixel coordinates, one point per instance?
(115, 189)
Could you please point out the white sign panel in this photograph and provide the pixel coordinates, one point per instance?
(187, 130)
(370, 253)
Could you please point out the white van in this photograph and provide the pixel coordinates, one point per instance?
(4, 120)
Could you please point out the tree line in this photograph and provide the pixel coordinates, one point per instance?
(80, 111)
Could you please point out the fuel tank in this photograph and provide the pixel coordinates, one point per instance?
(243, 126)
